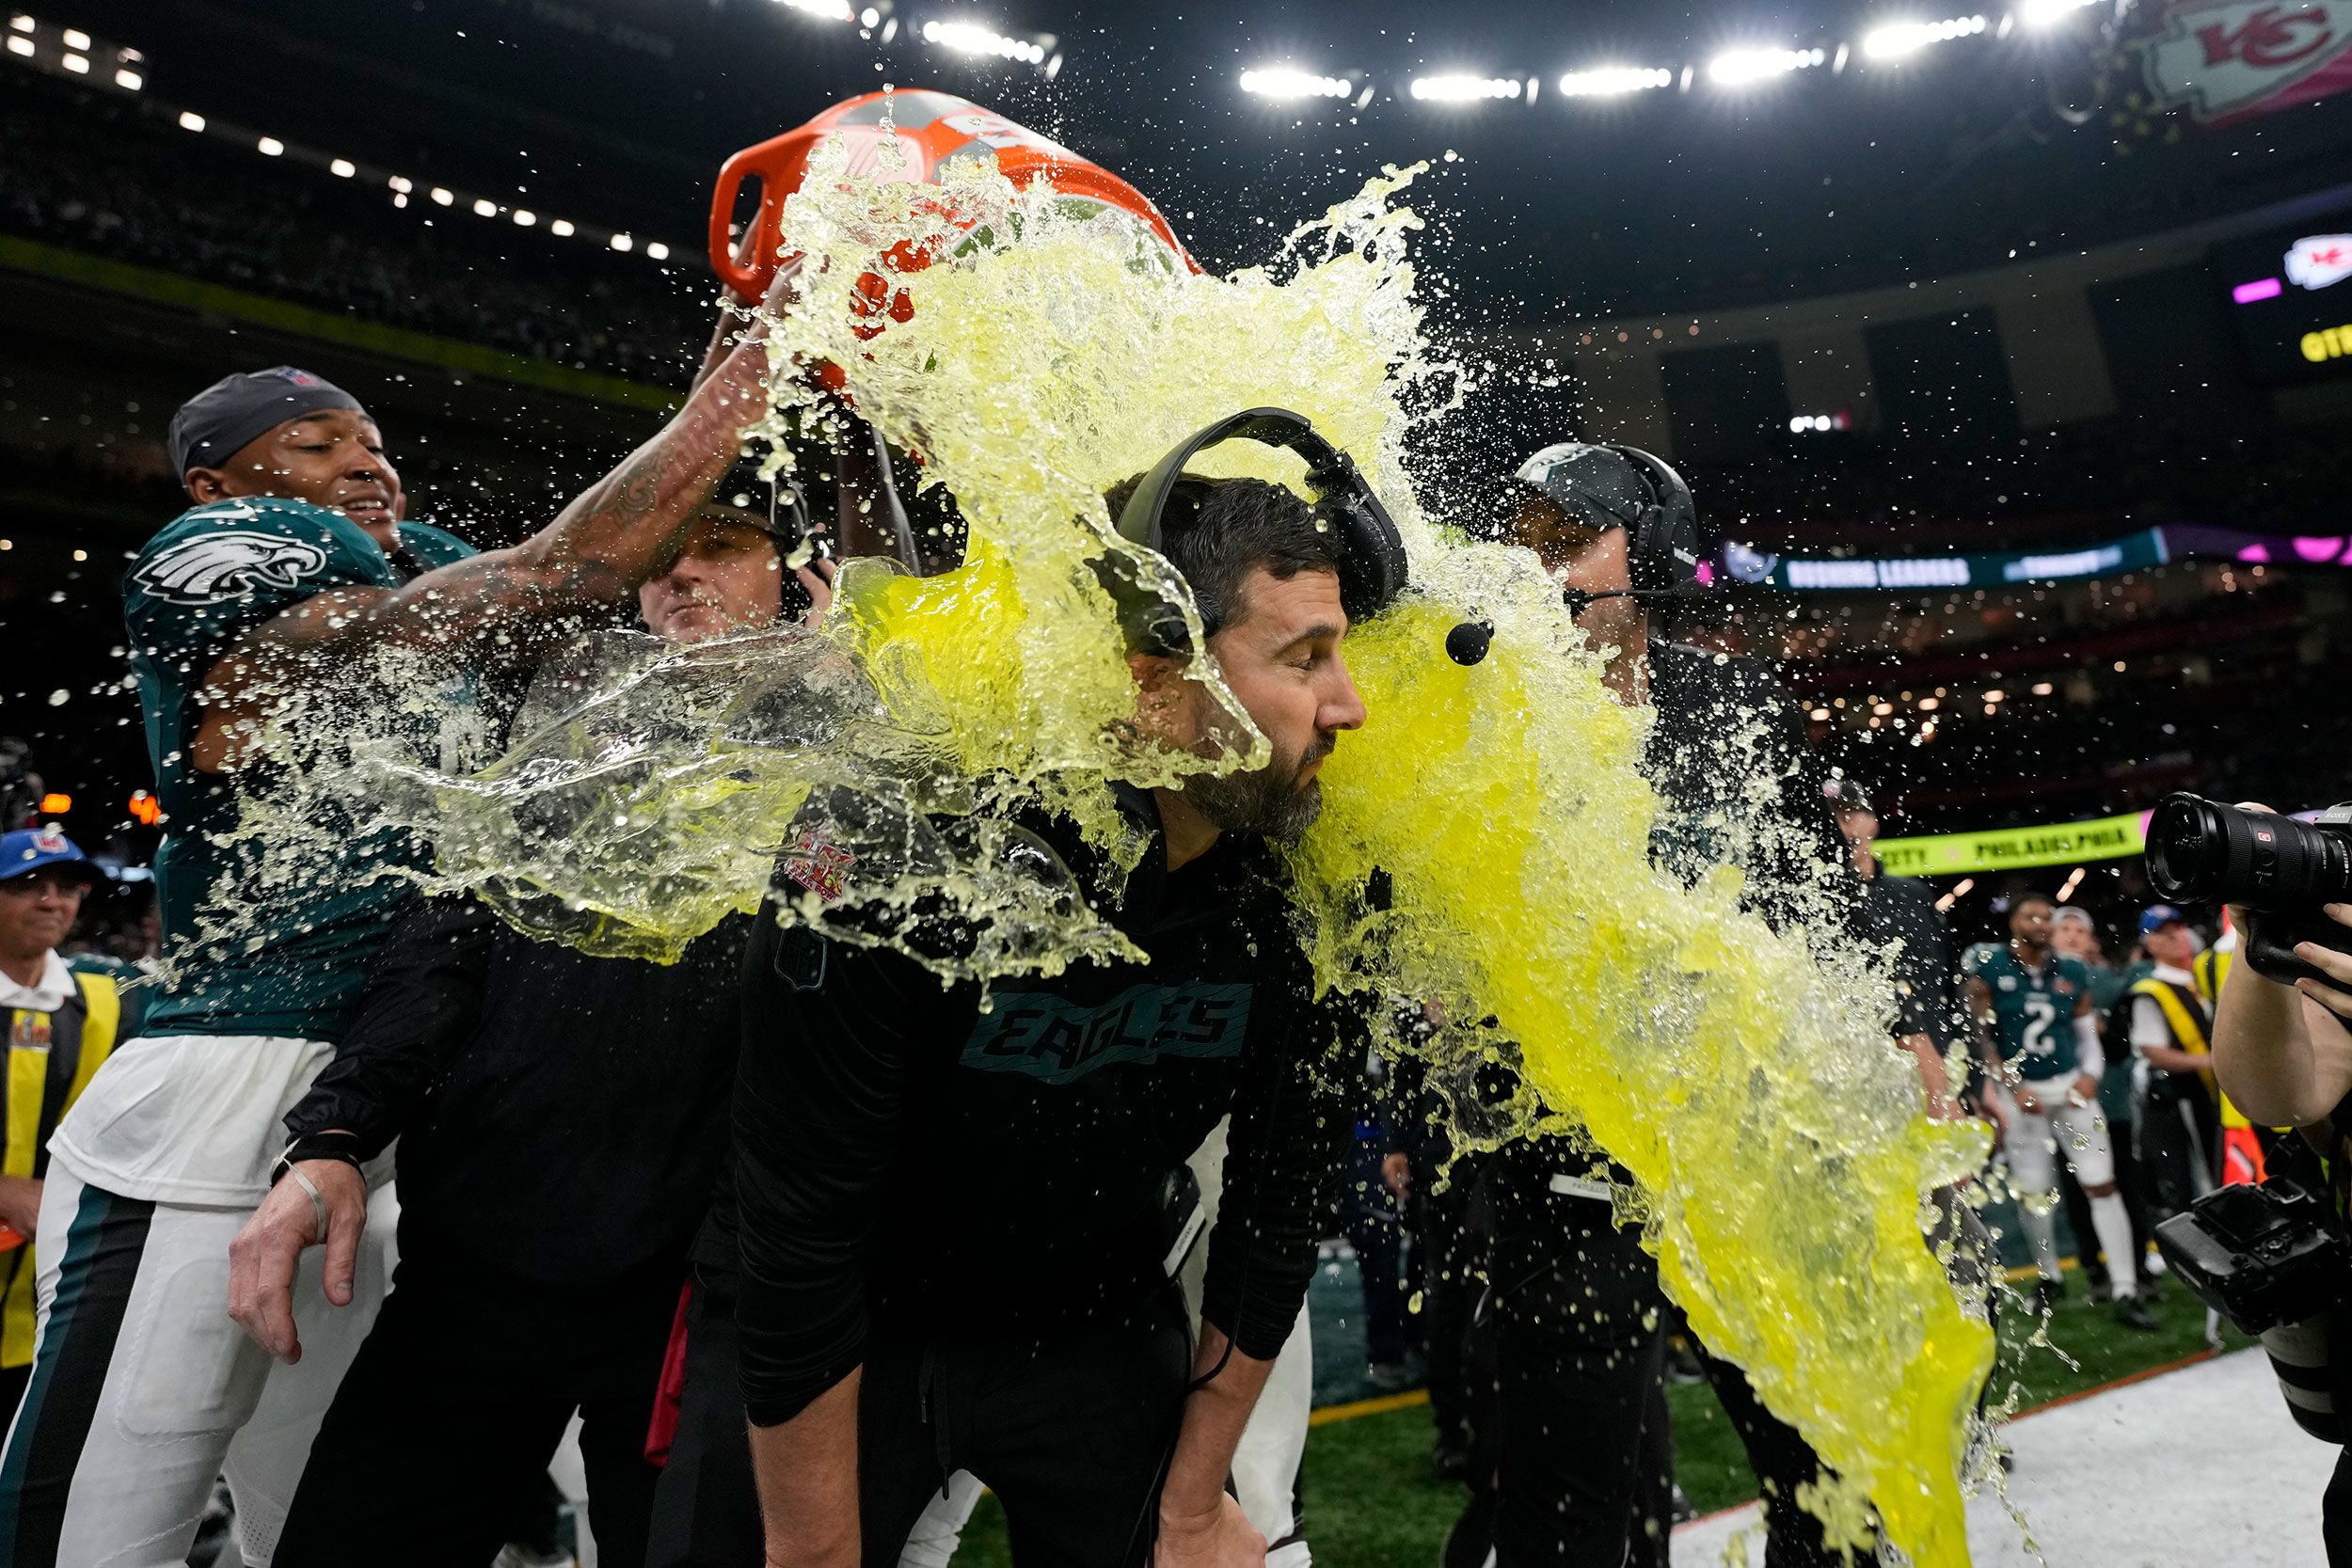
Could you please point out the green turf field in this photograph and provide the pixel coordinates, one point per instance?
(1371, 1501)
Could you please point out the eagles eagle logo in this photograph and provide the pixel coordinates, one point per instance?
(216, 566)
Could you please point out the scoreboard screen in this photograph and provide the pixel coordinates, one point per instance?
(2290, 293)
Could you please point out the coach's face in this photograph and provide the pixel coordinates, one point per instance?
(728, 578)
(1279, 655)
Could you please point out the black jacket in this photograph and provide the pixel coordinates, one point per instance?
(562, 1119)
(903, 1156)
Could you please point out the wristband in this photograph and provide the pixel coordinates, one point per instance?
(318, 1146)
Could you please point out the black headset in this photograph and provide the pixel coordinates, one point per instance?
(1373, 568)
(1662, 538)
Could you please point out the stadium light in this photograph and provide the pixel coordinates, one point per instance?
(1737, 66)
(1899, 39)
(442, 197)
(129, 81)
(970, 37)
(1609, 81)
(1465, 89)
(1285, 83)
(343, 168)
(622, 242)
(2041, 13)
(657, 251)
(828, 11)
(20, 45)
(401, 182)
(75, 64)
(20, 23)
(270, 147)
(525, 217)
(76, 38)
(562, 228)
(485, 207)
(191, 121)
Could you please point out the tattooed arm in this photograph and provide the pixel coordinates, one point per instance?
(501, 607)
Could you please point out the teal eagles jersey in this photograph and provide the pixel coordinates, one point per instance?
(2033, 1010)
(210, 575)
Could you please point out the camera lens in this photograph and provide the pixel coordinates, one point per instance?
(2200, 852)
(2188, 850)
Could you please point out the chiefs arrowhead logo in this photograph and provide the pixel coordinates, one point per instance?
(2225, 58)
(2319, 259)
(216, 566)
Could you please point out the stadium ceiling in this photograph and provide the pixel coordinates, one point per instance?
(1613, 156)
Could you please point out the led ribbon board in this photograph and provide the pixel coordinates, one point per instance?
(2134, 552)
(2104, 838)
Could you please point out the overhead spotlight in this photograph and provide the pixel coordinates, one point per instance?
(970, 37)
(2041, 13)
(867, 17)
(1608, 81)
(442, 197)
(830, 10)
(525, 217)
(20, 45)
(657, 251)
(129, 81)
(401, 183)
(77, 64)
(76, 38)
(485, 207)
(343, 168)
(1283, 81)
(1465, 89)
(622, 242)
(1734, 67)
(1898, 39)
(20, 23)
(270, 147)
(562, 228)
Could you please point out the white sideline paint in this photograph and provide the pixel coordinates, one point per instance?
(2193, 1469)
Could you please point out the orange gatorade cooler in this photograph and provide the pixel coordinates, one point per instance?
(937, 132)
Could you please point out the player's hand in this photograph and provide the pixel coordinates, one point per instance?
(1223, 1538)
(2028, 1102)
(2086, 1089)
(262, 1259)
(20, 1204)
(1396, 1170)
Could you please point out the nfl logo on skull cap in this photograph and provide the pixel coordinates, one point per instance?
(50, 840)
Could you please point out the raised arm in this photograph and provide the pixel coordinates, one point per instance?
(501, 607)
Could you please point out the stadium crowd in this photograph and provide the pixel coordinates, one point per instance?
(772, 1224)
(165, 199)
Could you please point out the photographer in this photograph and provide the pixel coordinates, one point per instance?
(2282, 1052)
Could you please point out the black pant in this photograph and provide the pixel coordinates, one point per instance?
(2179, 1136)
(431, 1452)
(1449, 1243)
(705, 1509)
(1070, 1431)
(1580, 1467)
(1368, 1213)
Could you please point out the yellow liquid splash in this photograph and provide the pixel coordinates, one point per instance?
(1745, 1081)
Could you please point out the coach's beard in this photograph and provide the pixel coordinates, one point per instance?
(1275, 801)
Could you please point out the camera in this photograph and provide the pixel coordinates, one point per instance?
(2278, 869)
(2260, 1256)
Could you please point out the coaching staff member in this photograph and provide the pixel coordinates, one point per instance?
(950, 1216)
(562, 1118)
(1580, 1459)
